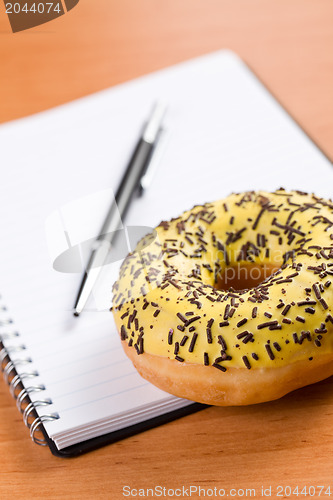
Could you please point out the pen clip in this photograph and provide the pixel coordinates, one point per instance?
(154, 160)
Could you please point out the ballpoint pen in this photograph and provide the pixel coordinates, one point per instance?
(134, 180)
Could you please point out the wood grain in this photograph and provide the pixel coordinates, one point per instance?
(289, 44)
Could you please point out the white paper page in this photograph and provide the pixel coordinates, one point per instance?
(226, 134)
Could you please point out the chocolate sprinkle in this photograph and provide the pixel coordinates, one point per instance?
(241, 322)
(269, 351)
(123, 333)
(323, 303)
(277, 346)
(267, 324)
(220, 367)
(183, 341)
(193, 341)
(246, 362)
(286, 309)
(222, 342)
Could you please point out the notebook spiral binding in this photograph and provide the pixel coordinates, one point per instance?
(16, 381)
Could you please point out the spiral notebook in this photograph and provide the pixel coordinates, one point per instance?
(71, 381)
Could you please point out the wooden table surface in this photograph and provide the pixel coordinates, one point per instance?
(104, 42)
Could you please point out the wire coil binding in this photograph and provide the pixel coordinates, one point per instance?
(20, 392)
(37, 423)
(24, 394)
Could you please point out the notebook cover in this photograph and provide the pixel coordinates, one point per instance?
(112, 437)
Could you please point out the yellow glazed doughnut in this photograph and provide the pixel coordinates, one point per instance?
(231, 303)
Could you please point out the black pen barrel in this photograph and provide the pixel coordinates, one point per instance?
(127, 188)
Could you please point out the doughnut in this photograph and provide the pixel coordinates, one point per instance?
(231, 302)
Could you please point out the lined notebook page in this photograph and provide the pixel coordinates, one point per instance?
(226, 134)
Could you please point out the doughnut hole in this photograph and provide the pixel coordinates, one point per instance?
(244, 276)
(246, 266)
